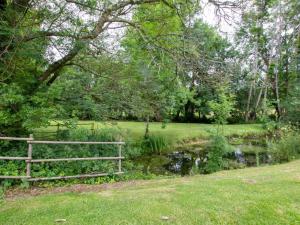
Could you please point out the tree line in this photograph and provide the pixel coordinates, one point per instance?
(146, 60)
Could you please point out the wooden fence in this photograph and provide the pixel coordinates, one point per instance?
(53, 133)
(29, 160)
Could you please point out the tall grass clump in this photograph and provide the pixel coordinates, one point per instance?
(285, 150)
(155, 144)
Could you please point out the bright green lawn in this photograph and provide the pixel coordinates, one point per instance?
(177, 131)
(262, 196)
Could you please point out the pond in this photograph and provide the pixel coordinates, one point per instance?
(182, 161)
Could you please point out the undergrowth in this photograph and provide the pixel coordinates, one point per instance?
(285, 150)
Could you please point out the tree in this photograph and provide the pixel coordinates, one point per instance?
(292, 105)
(267, 37)
(204, 60)
(222, 106)
(39, 40)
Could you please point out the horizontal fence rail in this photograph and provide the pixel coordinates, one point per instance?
(16, 139)
(14, 177)
(13, 158)
(61, 127)
(75, 159)
(29, 160)
(77, 142)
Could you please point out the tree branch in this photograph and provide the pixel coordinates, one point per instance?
(60, 63)
(100, 26)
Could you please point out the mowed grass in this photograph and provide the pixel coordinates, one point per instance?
(173, 131)
(263, 195)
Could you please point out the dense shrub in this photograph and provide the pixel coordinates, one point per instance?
(12, 168)
(287, 149)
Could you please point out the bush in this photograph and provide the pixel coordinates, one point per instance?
(287, 149)
(216, 151)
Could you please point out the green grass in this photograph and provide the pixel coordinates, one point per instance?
(263, 195)
(176, 131)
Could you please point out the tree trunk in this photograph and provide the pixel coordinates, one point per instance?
(279, 41)
(257, 102)
(278, 109)
(298, 56)
(147, 128)
(189, 112)
(177, 116)
(287, 77)
(248, 102)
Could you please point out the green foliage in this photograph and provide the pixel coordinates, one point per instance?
(292, 105)
(53, 72)
(195, 170)
(155, 74)
(152, 69)
(222, 106)
(270, 125)
(2, 194)
(155, 144)
(25, 184)
(273, 78)
(66, 151)
(216, 150)
(131, 150)
(232, 164)
(287, 149)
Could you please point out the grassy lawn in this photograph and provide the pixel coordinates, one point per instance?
(175, 131)
(263, 195)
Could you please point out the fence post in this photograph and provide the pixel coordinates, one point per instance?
(93, 128)
(29, 156)
(120, 160)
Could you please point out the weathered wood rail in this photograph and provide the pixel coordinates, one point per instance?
(29, 160)
(60, 127)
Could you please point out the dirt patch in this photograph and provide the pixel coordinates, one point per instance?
(15, 193)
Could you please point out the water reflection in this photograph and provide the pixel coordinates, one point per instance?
(182, 162)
